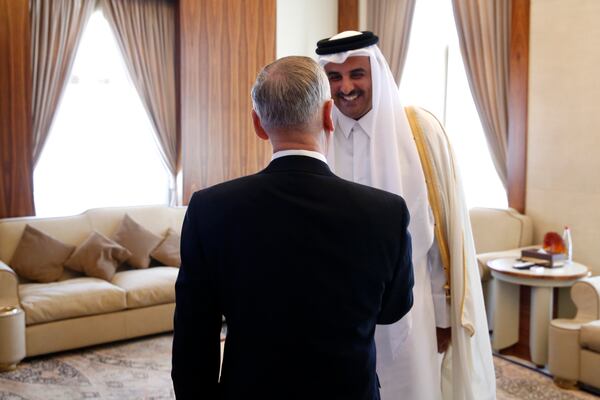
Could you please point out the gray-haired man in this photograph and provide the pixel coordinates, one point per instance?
(302, 263)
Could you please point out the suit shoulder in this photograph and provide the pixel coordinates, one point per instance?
(222, 188)
(377, 195)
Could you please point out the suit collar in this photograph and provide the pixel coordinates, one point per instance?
(297, 163)
(308, 153)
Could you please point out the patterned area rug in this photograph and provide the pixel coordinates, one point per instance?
(516, 382)
(129, 370)
(140, 369)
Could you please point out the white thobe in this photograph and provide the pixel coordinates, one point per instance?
(415, 372)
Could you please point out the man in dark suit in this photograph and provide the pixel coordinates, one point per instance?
(301, 263)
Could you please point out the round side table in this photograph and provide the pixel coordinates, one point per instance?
(542, 281)
(12, 334)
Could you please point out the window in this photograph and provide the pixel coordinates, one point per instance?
(434, 78)
(101, 149)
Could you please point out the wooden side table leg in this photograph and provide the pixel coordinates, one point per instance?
(506, 315)
(541, 314)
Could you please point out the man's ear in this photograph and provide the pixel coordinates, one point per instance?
(260, 131)
(327, 116)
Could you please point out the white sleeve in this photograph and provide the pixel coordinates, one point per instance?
(438, 280)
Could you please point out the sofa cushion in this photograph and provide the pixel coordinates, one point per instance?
(168, 251)
(138, 240)
(590, 336)
(39, 257)
(147, 287)
(45, 302)
(98, 257)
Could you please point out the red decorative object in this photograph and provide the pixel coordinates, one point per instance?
(553, 243)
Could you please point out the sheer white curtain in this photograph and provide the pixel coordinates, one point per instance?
(101, 149)
(434, 78)
(56, 28)
(391, 20)
(150, 57)
(484, 36)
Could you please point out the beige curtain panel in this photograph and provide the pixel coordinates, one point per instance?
(56, 28)
(145, 31)
(484, 35)
(391, 20)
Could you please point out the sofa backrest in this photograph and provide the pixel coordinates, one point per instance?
(156, 219)
(496, 229)
(71, 230)
(74, 229)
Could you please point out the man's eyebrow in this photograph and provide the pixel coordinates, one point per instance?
(360, 69)
(333, 73)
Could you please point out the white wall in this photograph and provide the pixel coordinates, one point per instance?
(563, 165)
(301, 23)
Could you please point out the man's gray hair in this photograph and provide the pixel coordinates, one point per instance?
(289, 93)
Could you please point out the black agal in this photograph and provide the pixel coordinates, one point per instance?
(327, 46)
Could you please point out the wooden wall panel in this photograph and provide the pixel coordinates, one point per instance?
(517, 104)
(517, 144)
(348, 15)
(224, 44)
(16, 172)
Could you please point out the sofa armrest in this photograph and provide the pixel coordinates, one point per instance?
(590, 336)
(586, 296)
(564, 349)
(9, 286)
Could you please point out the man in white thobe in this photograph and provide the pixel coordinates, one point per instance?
(377, 143)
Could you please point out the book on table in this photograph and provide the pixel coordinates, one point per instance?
(543, 258)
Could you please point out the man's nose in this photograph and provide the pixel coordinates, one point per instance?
(347, 86)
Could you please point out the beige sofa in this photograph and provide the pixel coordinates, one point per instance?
(498, 233)
(79, 311)
(574, 344)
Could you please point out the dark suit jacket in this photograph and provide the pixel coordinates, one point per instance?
(302, 264)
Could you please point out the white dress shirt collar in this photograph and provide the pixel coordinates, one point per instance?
(346, 123)
(307, 153)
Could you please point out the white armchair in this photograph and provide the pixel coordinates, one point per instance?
(574, 344)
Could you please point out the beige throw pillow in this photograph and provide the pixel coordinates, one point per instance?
(39, 257)
(98, 257)
(168, 251)
(138, 240)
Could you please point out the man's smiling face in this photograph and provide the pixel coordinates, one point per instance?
(351, 86)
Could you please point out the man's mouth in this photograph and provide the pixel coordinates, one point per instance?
(353, 95)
